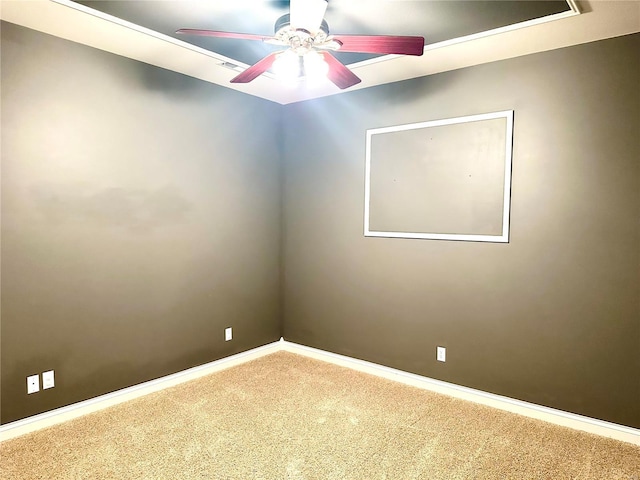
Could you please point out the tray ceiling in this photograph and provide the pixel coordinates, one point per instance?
(457, 33)
(436, 21)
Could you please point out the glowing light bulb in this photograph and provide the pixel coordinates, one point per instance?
(287, 66)
(315, 68)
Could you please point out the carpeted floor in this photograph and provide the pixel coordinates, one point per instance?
(289, 417)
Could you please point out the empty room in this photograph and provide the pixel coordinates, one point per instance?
(316, 239)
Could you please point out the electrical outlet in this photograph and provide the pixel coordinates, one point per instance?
(33, 383)
(228, 334)
(441, 354)
(48, 380)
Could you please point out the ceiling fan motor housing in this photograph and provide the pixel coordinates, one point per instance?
(300, 40)
(284, 22)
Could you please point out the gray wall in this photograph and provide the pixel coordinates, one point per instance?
(552, 317)
(140, 217)
(141, 214)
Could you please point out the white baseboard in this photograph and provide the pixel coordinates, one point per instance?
(547, 414)
(558, 417)
(63, 414)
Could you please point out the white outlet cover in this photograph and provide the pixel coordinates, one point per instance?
(228, 334)
(48, 380)
(33, 383)
(441, 354)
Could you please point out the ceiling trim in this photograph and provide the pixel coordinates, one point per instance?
(585, 22)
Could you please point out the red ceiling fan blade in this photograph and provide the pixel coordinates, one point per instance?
(256, 69)
(340, 75)
(388, 44)
(217, 34)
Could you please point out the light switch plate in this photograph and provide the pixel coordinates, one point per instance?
(228, 334)
(48, 380)
(441, 354)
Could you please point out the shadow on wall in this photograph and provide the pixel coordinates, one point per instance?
(134, 209)
(164, 82)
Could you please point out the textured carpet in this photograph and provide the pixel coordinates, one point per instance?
(286, 416)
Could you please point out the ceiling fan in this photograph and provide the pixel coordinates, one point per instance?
(306, 34)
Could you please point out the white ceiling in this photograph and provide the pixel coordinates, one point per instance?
(597, 20)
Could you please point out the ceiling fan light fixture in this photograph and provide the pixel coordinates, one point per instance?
(287, 66)
(306, 34)
(314, 66)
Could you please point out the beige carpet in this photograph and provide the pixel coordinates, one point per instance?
(285, 416)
